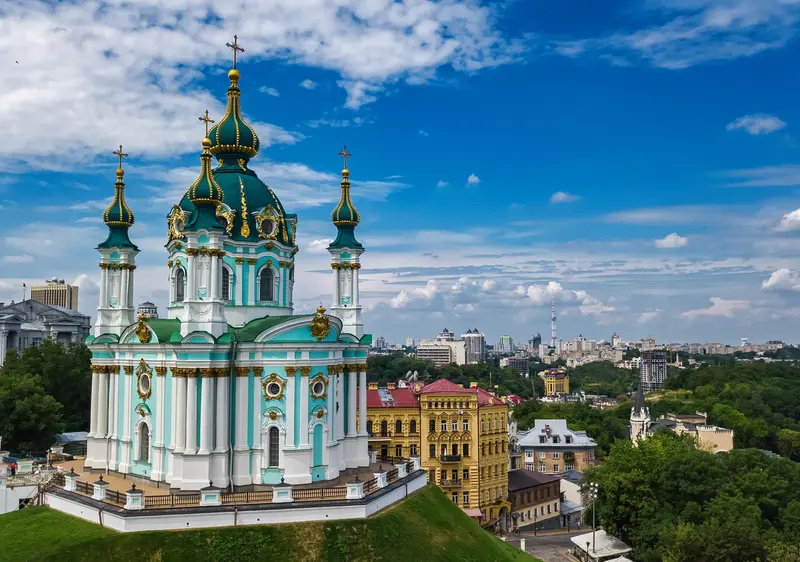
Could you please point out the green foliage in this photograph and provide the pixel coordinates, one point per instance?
(602, 377)
(674, 502)
(29, 417)
(65, 372)
(423, 526)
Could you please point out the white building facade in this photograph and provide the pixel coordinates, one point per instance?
(232, 387)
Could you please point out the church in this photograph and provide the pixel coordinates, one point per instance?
(232, 388)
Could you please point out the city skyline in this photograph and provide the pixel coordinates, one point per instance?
(504, 154)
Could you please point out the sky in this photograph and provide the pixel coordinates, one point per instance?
(637, 159)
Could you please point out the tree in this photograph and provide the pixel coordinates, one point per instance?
(30, 417)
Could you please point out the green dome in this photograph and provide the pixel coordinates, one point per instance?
(205, 190)
(118, 218)
(232, 135)
(346, 217)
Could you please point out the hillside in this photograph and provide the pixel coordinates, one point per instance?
(426, 526)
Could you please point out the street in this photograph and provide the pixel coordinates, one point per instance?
(550, 547)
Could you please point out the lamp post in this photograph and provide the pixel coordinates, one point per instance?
(593, 495)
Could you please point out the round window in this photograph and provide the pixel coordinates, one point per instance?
(318, 388)
(267, 226)
(144, 384)
(273, 389)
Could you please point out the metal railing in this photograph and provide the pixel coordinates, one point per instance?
(449, 483)
(370, 486)
(391, 476)
(450, 458)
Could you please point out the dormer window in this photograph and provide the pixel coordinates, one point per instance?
(542, 439)
(569, 438)
(556, 439)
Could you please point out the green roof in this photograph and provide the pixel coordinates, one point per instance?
(250, 331)
(117, 238)
(164, 327)
(345, 238)
(167, 329)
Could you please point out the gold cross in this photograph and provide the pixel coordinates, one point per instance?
(207, 120)
(345, 154)
(120, 154)
(235, 46)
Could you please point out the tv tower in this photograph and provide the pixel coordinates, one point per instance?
(553, 320)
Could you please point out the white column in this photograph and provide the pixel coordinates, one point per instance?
(340, 412)
(283, 295)
(173, 411)
(215, 282)
(258, 447)
(127, 388)
(102, 399)
(112, 405)
(191, 414)
(130, 285)
(251, 284)
(239, 282)
(103, 287)
(123, 288)
(331, 407)
(179, 402)
(304, 397)
(206, 411)
(362, 400)
(290, 392)
(223, 414)
(337, 298)
(240, 442)
(161, 383)
(95, 405)
(191, 276)
(356, 295)
(351, 400)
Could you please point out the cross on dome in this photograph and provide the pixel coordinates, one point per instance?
(235, 47)
(206, 119)
(345, 154)
(121, 155)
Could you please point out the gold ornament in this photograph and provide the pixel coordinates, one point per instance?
(224, 212)
(273, 378)
(142, 331)
(144, 370)
(321, 325)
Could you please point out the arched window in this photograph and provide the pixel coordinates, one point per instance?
(369, 427)
(398, 428)
(274, 446)
(266, 290)
(226, 284)
(144, 443)
(180, 285)
(384, 428)
(412, 427)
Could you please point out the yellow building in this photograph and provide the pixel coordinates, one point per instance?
(556, 381)
(461, 435)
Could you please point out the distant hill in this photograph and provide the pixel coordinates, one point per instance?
(425, 526)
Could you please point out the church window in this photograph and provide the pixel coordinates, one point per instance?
(412, 426)
(369, 427)
(274, 389)
(274, 447)
(180, 285)
(226, 284)
(144, 443)
(318, 389)
(266, 289)
(398, 428)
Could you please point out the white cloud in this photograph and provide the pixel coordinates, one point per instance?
(757, 124)
(422, 133)
(780, 176)
(789, 222)
(428, 291)
(719, 308)
(441, 183)
(563, 197)
(400, 301)
(645, 317)
(319, 246)
(271, 91)
(18, 259)
(308, 84)
(671, 241)
(473, 179)
(783, 279)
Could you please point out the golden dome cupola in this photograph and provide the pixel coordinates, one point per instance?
(345, 216)
(118, 217)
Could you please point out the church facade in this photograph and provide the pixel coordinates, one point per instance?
(232, 387)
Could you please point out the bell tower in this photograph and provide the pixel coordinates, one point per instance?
(115, 311)
(346, 253)
(640, 417)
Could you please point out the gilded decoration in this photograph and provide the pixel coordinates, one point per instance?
(290, 370)
(305, 370)
(245, 232)
(272, 387)
(243, 371)
(191, 252)
(268, 222)
(225, 213)
(251, 261)
(273, 416)
(321, 325)
(160, 371)
(127, 369)
(320, 413)
(319, 387)
(176, 220)
(239, 261)
(144, 380)
(169, 264)
(142, 331)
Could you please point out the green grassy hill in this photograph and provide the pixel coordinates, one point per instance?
(426, 526)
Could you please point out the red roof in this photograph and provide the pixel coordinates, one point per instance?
(401, 398)
(444, 386)
(514, 399)
(486, 398)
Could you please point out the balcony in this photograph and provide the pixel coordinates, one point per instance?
(450, 483)
(450, 458)
(381, 436)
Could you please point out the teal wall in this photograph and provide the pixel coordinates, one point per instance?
(318, 355)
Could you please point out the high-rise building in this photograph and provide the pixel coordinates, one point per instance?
(442, 352)
(445, 335)
(409, 342)
(380, 343)
(56, 293)
(505, 345)
(653, 369)
(475, 346)
(147, 310)
(534, 343)
(615, 341)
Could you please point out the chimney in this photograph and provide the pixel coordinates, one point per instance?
(547, 430)
(372, 385)
(391, 385)
(473, 385)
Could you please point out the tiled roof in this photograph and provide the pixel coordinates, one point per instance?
(486, 398)
(400, 398)
(520, 479)
(444, 386)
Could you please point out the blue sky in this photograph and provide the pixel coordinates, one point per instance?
(640, 159)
